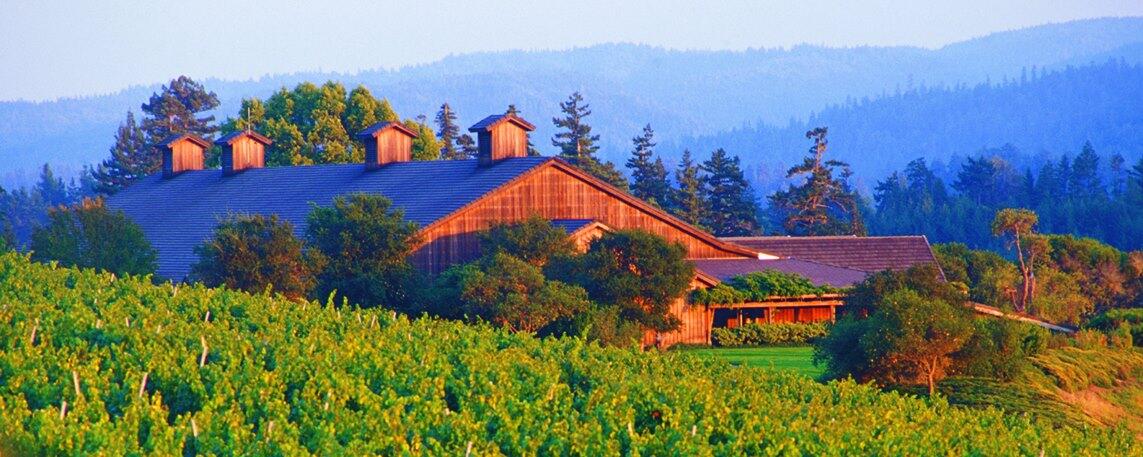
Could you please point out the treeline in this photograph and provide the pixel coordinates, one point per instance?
(1041, 112)
(1088, 195)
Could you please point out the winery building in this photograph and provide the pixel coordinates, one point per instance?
(454, 200)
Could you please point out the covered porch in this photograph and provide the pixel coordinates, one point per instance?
(804, 309)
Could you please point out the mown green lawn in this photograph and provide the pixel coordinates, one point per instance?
(798, 358)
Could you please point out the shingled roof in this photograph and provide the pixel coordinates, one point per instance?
(490, 121)
(869, 254)
(181, 212)
(819, 273)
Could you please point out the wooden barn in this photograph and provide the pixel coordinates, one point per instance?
(454, 200)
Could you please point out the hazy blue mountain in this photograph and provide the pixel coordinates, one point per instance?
(683, 94)
(1029, 118)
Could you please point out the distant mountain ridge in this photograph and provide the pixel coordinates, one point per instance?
(1027, 120)
(683, 94)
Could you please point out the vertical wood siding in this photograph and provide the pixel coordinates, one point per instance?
(553, 194)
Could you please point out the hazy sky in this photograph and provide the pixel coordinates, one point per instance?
(50, 49)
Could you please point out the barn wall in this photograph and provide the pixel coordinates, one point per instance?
(553, 194)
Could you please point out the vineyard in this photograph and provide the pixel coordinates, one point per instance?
(94, 364)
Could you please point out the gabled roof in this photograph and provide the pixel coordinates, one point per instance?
(376, 129)
(869, 254)
(819, 273)
(489, 122)
(168, 141)
(181, 212)
(229, 138)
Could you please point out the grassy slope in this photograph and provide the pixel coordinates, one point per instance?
(798, 359)
(284, 378)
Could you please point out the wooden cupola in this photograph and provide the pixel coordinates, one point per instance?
(242, 150)
(182, 152)
(501, 136)
(387, 142)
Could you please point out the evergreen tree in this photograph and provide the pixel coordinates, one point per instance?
(468, 148)
(52, 190)
(822, 205)
(131, 158)
(649, 178)
(1135, 182)
(448, 133)
(1085, 182)
(577, 144)
(732, 210)
(687, 201)
(1118, 180)
(175, 109)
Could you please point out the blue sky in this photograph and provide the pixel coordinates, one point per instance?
(50, 49)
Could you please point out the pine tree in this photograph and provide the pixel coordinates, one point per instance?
(131, 158)
(823, 204)
(448, 133)
(732, 210)
(468, 148)
(1085, 182)
(175, 108)
(1118, 179)
(649, 178)
(577, 144)
(687, 201)
(52, 190)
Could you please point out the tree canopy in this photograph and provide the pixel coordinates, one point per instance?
(822, 204)
(256, 253)
(367, 244)
(89, 235)
(637, 272)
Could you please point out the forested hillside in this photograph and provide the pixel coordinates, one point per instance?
(1033, 118)
(92, 364)
(680, 93)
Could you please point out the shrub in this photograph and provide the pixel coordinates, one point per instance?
(783, 333)
(639, 272)
(88, 235)
(758, 286)
(255, 253)
(1001, 348)
(1129, 318)
(508, 292)
(368, 244)
(907, 338)
(533, 240)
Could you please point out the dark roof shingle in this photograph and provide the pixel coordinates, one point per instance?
(869, 254)
(181, 212)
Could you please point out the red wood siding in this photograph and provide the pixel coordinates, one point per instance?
(243, 153)
(184, 155)
(390, 145)
(551, 193)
